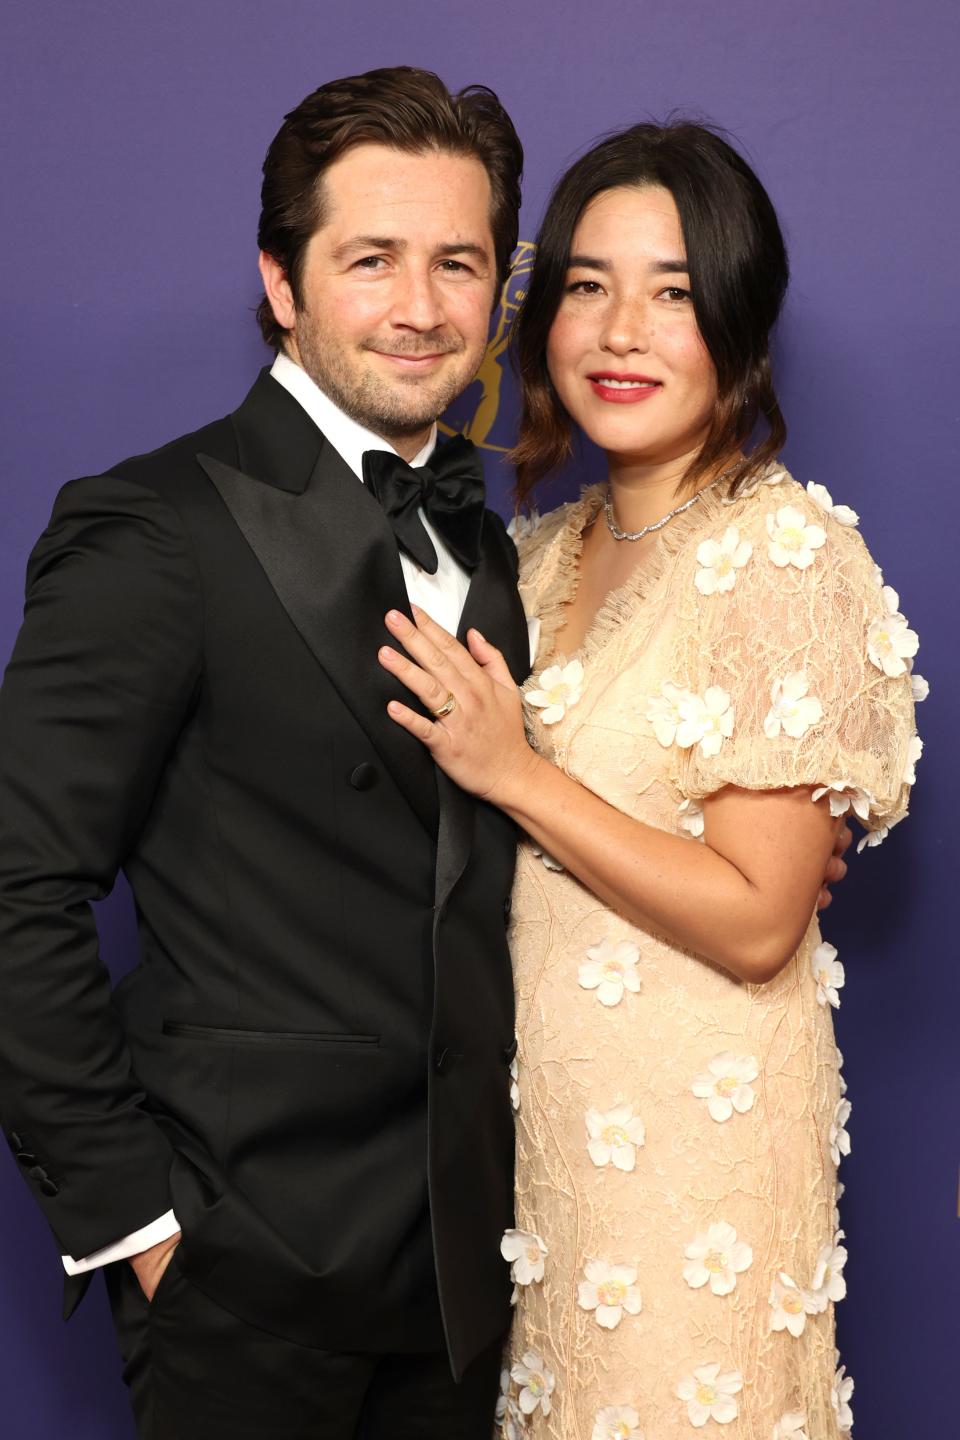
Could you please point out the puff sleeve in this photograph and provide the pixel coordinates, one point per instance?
(795, 667)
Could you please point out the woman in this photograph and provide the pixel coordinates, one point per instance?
(722, 676)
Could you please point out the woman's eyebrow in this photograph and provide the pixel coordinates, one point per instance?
(656, 267)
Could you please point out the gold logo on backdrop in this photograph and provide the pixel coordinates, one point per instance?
(477, 413)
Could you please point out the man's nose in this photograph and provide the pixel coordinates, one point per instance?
(417, 302)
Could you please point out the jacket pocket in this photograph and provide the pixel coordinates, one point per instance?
(274, 1039)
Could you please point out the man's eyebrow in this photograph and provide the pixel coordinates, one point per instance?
(368, 242)
(656, 267)
(390, 243)
(464, 247)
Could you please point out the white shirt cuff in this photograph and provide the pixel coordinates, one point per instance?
(133, 1244)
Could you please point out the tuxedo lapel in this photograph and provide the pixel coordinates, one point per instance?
(494, 608)
(331, 558)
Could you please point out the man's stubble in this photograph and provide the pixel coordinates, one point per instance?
(394, 410)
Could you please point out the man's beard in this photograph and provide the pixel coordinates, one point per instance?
(396, 410)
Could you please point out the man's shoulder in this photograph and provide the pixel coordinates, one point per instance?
(167, 468)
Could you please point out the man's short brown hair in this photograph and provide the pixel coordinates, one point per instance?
(403, 107)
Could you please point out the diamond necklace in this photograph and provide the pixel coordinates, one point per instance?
(619, 534)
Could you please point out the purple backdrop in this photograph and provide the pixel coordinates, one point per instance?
(133, 136)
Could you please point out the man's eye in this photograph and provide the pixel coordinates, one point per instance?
(453, 267)
(370, 262)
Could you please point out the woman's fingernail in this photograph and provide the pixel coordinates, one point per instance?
(394, 617)
(386, 653)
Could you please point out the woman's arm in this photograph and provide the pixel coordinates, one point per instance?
(743, 899)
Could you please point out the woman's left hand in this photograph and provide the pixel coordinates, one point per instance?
(479, 741)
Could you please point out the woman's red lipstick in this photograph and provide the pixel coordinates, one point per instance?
(622, 389)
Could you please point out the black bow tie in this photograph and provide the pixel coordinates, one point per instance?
(449, 489)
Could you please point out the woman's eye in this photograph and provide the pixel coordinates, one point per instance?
(584, 287)
(676, 294)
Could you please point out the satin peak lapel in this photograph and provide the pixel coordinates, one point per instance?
(332, 560)
(493, 607)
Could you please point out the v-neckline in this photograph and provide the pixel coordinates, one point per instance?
(623, 601)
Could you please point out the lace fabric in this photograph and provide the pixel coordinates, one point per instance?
(733, 1089)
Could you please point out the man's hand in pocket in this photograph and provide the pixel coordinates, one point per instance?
(150, 1264)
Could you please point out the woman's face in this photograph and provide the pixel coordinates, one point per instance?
(624, 351)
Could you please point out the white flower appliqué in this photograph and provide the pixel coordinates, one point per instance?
(536, 1383)
(792, 541)
(691, 818)
(548, 860)
(726, 1084)
(521, 527)
(705, 720)
(792, 709)
(716, 1258)
(877, 837)
(610, 968)
(828, 973)
(828, 1282)
(840, 1399)
(891, 644)
(526, 1253)
(822, 497)
(773, 477)
(914, 751)
(663, 712)
(558, 689)
(616, 1422)
(790, 1305)
(720, 560)
(514, 1084)
(845, 796)
(839, 1139)
(920, 688)
(710, 1395)
(615, 1137)
(609, 1290)
(507, 1412)
(790, 1426)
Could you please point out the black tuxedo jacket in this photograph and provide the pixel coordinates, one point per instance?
(311, 1061)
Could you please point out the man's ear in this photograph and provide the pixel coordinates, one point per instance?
(276, 287)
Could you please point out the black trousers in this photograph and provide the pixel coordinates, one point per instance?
(197, 1372)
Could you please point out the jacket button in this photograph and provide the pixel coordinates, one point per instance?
(16, 1141)
(26, 1157)
(37, 1172)
(510, 1051)
(49, 1187)
(364, 777)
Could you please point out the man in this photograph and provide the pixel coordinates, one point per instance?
(286, 1136)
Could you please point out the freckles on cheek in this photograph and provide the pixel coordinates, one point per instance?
(563, 346)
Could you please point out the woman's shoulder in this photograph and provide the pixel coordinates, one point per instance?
(792, 526)
(536, 535)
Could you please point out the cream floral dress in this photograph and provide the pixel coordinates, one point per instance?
(678, 1254)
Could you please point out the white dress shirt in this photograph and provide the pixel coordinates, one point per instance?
(441, 595)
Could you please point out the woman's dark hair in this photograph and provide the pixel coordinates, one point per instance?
(738, 270)
(403, 107)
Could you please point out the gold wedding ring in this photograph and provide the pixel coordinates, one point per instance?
(448, 706)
